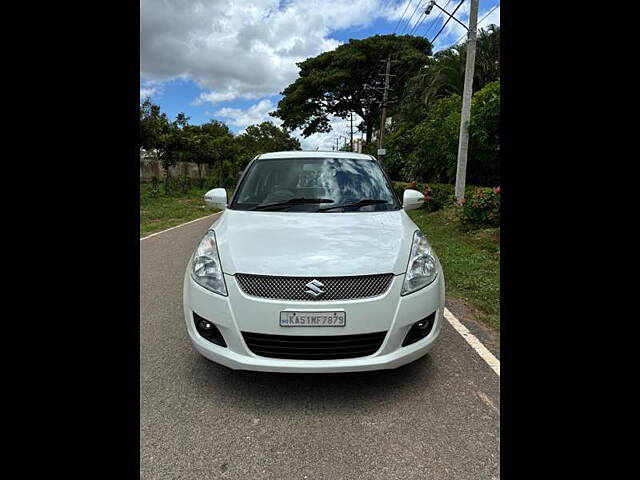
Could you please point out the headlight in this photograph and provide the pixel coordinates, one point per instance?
(422, 268)
(206, 269)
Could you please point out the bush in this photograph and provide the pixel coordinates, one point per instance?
(155, 186)
(482, 208)
(183, 183)
(436, 195)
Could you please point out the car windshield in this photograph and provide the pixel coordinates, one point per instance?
(315, 185)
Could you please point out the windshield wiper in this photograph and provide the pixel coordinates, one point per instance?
(290, 202)
(361, 203)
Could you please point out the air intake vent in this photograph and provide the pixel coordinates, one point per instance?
(333, 288)
(329, 347)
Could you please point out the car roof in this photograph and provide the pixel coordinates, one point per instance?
(315, 154)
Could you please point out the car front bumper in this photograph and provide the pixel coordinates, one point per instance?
(239, 312)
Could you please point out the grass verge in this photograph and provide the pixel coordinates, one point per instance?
(471, 261)
(159, 212)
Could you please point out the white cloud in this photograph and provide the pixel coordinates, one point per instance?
(148, 92)
(241, 49)
(257, 113)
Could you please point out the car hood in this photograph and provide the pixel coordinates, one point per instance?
(314, 244)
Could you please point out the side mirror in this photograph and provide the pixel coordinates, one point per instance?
(412, 199)
(216, 198)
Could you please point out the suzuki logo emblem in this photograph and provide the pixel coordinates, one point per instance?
(315, 288)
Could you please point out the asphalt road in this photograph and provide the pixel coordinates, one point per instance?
(438, 418)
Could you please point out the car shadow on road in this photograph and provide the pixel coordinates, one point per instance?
(331, 390)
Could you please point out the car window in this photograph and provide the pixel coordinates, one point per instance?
(343, 181)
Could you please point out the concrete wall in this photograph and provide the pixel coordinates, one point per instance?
(150, 167)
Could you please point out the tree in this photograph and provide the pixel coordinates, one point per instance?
(484, 140)
(347, 80)
(433, 154)
(153, 124)
(209, 144)
(263, 138)
(428, 152)
(170, 146)
(487, 67)
(157, 134)
(443, 74)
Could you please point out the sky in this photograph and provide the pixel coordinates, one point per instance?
(229, 60)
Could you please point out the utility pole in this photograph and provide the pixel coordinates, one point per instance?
(465, 116)
(463, 144)
(383, 118)
(352, 131)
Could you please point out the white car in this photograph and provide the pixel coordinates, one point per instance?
(313, 266)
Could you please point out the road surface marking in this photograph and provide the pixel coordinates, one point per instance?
(178, 226)
(471, 339)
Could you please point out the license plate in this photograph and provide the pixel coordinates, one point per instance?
(313, 319)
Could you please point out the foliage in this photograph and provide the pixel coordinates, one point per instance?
(484, 136)
(429, 150)
(153, 124)
(263, 138)
(487, 64)
(443, 74)
(437, 195)
(347, 80)
(482, 208)
(211, 144)
(434, 148)
(165, 138)
(155, 187)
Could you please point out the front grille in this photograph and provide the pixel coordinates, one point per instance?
(329, 347)
(293, 288)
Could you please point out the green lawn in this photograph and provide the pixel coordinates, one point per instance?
(160, 212)
(471, 261)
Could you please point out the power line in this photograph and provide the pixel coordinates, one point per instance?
(435, 20)
(414, 12)
(479, 22)
(445, 23)
(418, 23)
(405, 11)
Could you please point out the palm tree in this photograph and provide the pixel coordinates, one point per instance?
(444, 74)
(487, 57)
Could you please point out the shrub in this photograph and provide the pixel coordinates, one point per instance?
(155, 186)
(436, 195)
(184, 183)
(482, 208)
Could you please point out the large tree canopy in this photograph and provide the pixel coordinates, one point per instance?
(348, 79)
